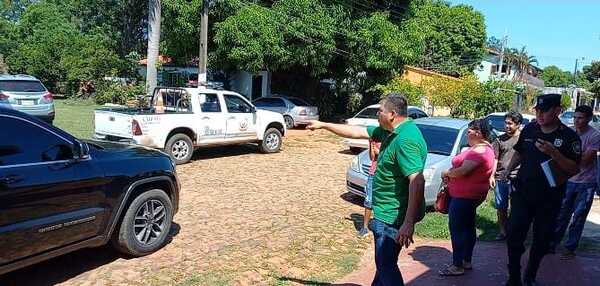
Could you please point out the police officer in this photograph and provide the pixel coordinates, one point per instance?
(534, 200)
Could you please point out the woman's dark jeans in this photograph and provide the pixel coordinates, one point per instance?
(461, 221)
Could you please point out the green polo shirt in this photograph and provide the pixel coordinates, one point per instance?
(402, 153)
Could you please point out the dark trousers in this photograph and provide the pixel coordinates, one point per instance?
(525, 211)
(386, 254)
(461, 222)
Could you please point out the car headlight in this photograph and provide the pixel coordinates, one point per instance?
(355, 164)
(428, 174)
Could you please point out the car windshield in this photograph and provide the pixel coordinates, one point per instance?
(21, 86)
(567, 114)
(440, 140)
(496, 121)
(370, 113)
(298, 101)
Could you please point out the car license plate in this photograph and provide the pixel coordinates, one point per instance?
(27, 102)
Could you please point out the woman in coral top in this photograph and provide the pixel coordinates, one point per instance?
(468, 181)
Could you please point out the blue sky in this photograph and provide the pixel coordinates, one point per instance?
(555, 31)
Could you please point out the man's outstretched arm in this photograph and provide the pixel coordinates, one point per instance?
(343, 130)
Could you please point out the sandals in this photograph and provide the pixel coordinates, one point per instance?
(452, 271)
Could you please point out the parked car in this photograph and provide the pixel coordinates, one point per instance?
(183, 119)
(567, 119)
(295, 111)
(59, 194)
(27, 94)
(496, 120)
(445, 137)
(368, 116)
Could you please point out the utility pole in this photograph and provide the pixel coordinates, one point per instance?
(504, 41)
(575, 95)
(203, 59)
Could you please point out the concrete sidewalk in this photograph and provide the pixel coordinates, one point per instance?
(420, 264)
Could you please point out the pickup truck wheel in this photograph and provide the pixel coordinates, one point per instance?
(146, 224)
(271, 142)
(180, 148)
(289, 122)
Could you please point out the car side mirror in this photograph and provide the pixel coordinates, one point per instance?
(253, 109)
(81, 150)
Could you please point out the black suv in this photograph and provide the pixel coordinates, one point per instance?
(59, 194)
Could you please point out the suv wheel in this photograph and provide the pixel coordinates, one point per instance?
(271, 142)
(289, 122)
(146, 224)
(180, 148)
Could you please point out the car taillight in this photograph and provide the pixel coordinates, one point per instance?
(3, 96)
(303, 112)
(48, 97)
(136, 130)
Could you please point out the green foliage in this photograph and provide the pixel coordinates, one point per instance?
(180, 29)
(3, 65)
(555, 77)
(565, 100)
(250, 40)
(414, 94)
(592, 74)
(454, 37)
(51, 47)
(117, 93)
(469, 98)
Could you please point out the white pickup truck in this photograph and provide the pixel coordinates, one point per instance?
(183, 119)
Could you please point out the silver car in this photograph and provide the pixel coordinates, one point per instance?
(567, 119)
(27, 94)
(445, 137)
(295, 111)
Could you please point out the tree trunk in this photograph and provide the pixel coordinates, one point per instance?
(154, 10)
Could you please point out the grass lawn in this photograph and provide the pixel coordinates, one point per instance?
(435, 225)
(75, 116)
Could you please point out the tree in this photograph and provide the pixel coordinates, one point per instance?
(494, 44)
(555, 77)
(50, 47)
(250, 40)
(414, 94)
(453, 36)
(154, 19)
(380, 48)
(592, 74)
(521, 60)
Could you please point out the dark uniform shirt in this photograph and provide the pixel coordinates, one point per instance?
(531, 181)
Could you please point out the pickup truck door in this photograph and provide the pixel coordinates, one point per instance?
(47, 199)
(212, 118)
(241, 117)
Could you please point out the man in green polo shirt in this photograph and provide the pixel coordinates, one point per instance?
(398, 187)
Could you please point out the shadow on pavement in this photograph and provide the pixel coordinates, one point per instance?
(310, 282)
(353, 199)
(61, 269)
(224, 151)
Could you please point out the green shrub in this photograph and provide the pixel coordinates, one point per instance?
(414, 94)
(117, 93)
(565, 100)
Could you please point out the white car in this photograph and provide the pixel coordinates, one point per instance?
(496, 120)
(445, 137)
(368, 117)
(183, 119)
